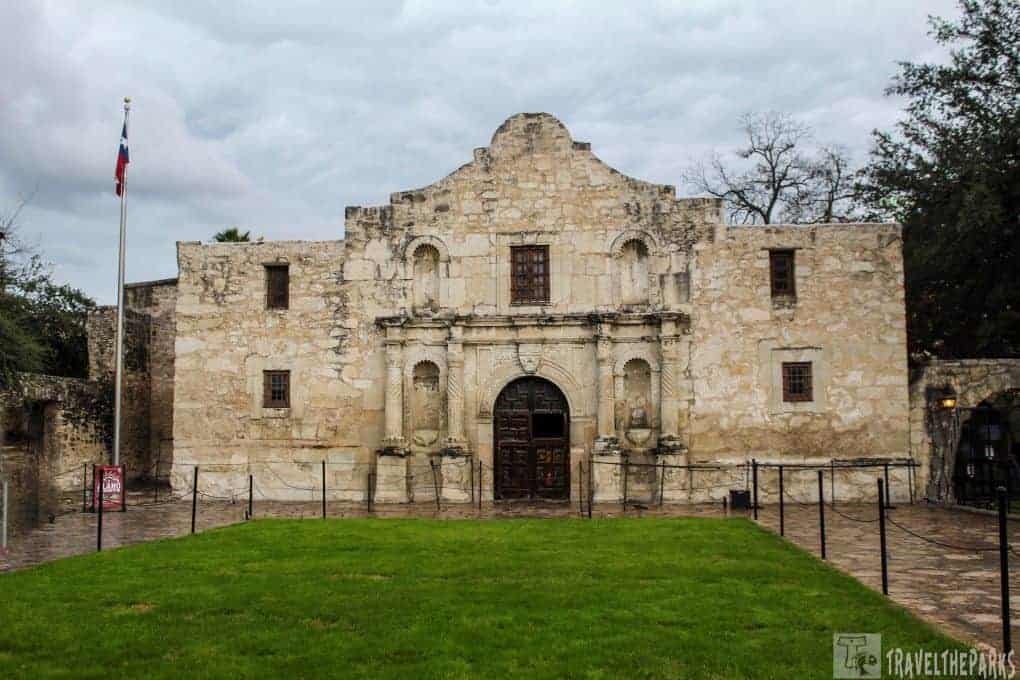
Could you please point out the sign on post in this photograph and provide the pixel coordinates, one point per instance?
(109, 486)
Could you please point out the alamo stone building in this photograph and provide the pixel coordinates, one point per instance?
(532, 311)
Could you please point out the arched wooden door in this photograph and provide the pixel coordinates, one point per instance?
(532, 441)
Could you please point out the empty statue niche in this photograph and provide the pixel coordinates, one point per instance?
(633, 273)
(637, 390)
(426, 279)
(426, 404)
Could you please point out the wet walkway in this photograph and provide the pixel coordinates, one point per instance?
(956, 588)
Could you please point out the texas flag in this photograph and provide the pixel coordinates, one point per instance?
(122, 160)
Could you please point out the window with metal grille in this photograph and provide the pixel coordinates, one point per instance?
(276, 389)
(781, 273)
(277, 286)
(797, 381)
(529, 283)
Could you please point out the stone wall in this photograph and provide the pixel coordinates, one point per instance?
(848, 319)
(659, 331)
(147, 401)
(934, 431)
(51, 429)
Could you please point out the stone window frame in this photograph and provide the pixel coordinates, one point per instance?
(798, 381)
(783, 287)
(530, 295)
(268, 401)
(775, 357)
(271, 304)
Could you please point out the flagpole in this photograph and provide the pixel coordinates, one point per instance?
(119, 356)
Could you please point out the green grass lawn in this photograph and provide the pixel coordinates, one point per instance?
(643, 598)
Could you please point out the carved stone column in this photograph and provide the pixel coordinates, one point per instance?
(456, 444)
(394, 438)
(674, 405)
(604, 362)
(608, 458)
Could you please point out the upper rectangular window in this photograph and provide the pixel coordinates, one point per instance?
(277, 286)
(529, 282)
(276, 389)
(781, 273)
(797, 381)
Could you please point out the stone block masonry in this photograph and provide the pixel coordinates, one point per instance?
(648, 331)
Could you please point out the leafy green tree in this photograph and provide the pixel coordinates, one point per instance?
(950, 173)
(42, 324)
(232, 235)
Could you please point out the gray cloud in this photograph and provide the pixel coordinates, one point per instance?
(275, 117)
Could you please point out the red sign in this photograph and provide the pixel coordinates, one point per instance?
(109, 485)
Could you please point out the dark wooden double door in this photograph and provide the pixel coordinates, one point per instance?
(532, 441)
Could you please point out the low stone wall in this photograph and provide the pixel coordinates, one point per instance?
(52, 430)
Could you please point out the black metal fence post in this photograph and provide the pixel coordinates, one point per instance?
(251, 494)
(782, 505)
(323, 489)
(626, 475)
(881, 538)
(479, 483)
(591, 484)
(84, 487)
(888, 492)
(369, 486)
(754, 480)
(435, 484)
(99, 521)
(832, 482)
(194, 499)
(123, 488)
(1007, 641)
(662, 480)
(580, 488)
(92, 491)
(821, 512)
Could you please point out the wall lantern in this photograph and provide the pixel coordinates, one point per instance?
(947, 399)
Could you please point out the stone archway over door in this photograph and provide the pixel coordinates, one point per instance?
(531, 422)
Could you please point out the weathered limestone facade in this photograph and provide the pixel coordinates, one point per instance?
(660, 332)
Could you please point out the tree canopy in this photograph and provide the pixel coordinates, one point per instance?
(232, 235)
(950, 173)
(42, 324)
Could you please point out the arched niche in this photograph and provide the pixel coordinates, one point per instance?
(425, 262)
(631, 254)
(426, 402)
(425, 274)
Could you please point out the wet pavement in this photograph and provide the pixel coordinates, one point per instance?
(954, 585)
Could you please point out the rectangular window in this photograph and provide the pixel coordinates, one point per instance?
(276, 389)
(529, 282)
(781, 273)
(277, 286)
(797, 381)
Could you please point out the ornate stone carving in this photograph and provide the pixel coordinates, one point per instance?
(529, 354)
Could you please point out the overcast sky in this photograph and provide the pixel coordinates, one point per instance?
(274, 118)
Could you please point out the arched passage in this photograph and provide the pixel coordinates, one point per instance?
(988, 452)
(531, 436)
